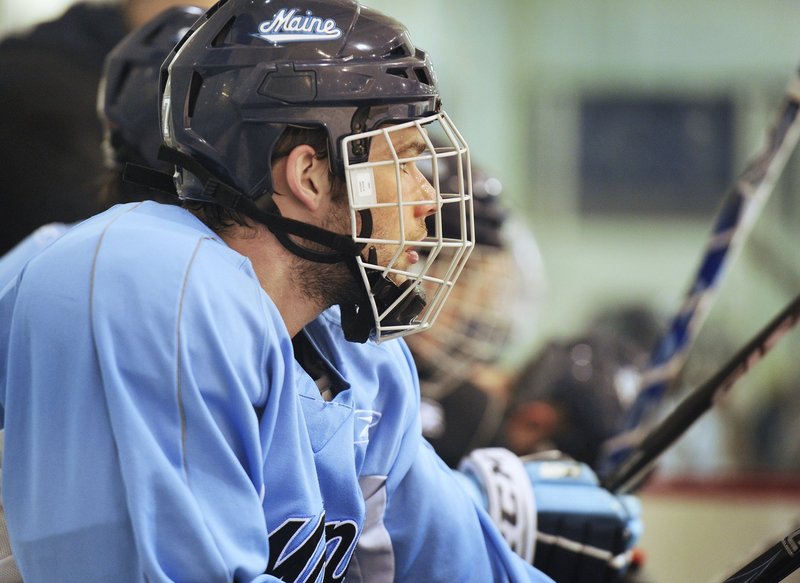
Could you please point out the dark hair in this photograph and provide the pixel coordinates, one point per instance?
(219, 218)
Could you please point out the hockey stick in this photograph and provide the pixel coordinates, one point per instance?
(773, 565)
(641, 459)
(735, 219)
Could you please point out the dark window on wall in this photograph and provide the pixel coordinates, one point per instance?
(655, 155)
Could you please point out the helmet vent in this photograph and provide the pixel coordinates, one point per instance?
(219, 40)
(401, 51)
(423, 76)
(194, 92)
(397, 72)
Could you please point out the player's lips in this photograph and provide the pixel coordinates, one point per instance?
(412, 256)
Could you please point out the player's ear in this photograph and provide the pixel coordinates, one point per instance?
(307, 176)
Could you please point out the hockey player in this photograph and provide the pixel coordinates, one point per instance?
(572, 394)
(216, 398)
(166, 415)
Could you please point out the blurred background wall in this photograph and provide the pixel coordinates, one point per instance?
(616, 127)
(515, 76)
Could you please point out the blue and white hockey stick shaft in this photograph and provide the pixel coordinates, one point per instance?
(628, 475)
(740, 208)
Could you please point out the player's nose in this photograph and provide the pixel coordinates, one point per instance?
(428, 196)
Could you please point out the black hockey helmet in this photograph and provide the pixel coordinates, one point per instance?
(574, 378)
(252, 69)
(127, 99)
(248, 71)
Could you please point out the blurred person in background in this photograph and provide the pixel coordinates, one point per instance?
(463, 368)
(127, 110)
(125, 106)
(48, 85)
(572, 394)
(467, 369)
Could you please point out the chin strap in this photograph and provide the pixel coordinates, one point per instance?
(358, 322)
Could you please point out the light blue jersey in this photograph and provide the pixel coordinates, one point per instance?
(159, 428)
(12, 262)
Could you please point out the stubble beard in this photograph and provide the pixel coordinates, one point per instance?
(329, 284)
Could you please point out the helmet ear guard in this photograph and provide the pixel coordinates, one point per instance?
(127, 92)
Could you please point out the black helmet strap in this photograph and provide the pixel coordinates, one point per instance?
(149, 177)
(342, 247)
(358, 321)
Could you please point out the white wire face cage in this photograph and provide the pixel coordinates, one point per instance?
(399, 197)
(494, 310)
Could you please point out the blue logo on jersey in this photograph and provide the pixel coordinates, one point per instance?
(301, 549)
(289, 26)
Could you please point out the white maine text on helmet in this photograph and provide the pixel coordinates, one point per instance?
(288, 26)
